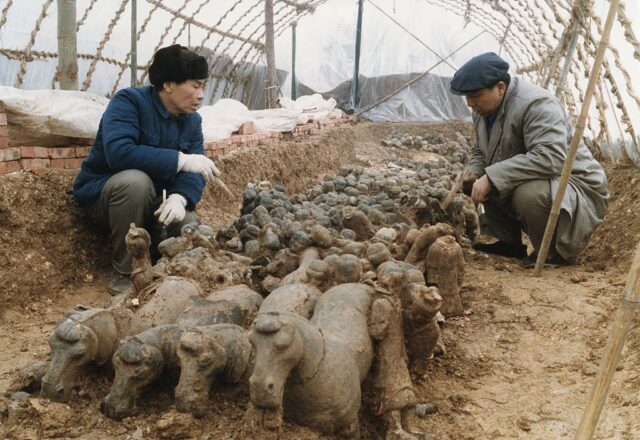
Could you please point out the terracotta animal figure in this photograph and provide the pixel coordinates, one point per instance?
(207, 353)
(297, 298)
(143, 358)
(138, 242)
(235, 304)
(313, 369)
(166, 305)
(85, 336)
(445, 268)
(139, 361)
(422, 332)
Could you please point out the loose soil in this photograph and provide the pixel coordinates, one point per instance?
(519, 364)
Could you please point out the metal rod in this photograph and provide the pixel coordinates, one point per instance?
(134, 43)
(67, 45)
(575, 140)
(270, 88)
(355, 86)
(617, 336)
(294, 85)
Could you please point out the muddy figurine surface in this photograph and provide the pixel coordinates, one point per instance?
(231, 305)
(394, 388)
(138, 242)
(300, 274)
(358, 222)
(422, 332)
(139, 361)
(445, 269)
(313, 369)
(171, 297)
(207, 353)
(320, 275)
(84, 337)
(299, 299)
(427, 236)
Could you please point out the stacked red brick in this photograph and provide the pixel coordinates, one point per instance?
(14, 159)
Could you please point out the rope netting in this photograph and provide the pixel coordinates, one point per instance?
(552, 43)
(236, 37)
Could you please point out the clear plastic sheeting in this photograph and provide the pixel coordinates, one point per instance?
(51, 117)
(390, 57)
(427, 99)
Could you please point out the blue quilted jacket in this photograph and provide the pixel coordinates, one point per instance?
(138, 132)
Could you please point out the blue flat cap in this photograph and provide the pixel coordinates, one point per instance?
(479, 72)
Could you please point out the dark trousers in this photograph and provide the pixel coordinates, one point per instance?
(527, 209)
(130, 197)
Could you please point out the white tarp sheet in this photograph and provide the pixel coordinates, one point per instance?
(52, 117)
(49, 117)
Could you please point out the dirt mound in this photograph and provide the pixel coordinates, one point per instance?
(47, 244)
(613, 244)
(541, 335)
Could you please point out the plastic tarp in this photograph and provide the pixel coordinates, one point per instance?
(51, 117)
(54, 117)
(314, 106)
(224, 117)
(390, 57)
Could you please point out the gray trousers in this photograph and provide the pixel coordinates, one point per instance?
(527, 209)
(130, 197)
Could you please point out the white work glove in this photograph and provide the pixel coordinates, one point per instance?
(198, 163)
(172, 209)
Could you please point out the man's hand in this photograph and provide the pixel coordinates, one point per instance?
(198, 163)
(171, 210)
(481, 189)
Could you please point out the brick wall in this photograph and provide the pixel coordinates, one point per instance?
(36, 158)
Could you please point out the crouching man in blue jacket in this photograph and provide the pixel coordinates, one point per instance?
(149, 140)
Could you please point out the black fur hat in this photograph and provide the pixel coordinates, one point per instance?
(176, 63)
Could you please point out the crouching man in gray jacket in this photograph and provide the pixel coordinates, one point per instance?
(522, 137)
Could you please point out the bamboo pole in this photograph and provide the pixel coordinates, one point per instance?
(575, 140)
(617, 336)
(271, 83)
(67, 45)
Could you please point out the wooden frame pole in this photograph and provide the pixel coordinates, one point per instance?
(271, 83)
(618, 333)
(575, 140)
(67, 45)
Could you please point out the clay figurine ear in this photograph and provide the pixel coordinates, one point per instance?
(214, 354)
(284, 338)
(191, 341)
(90, 339)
